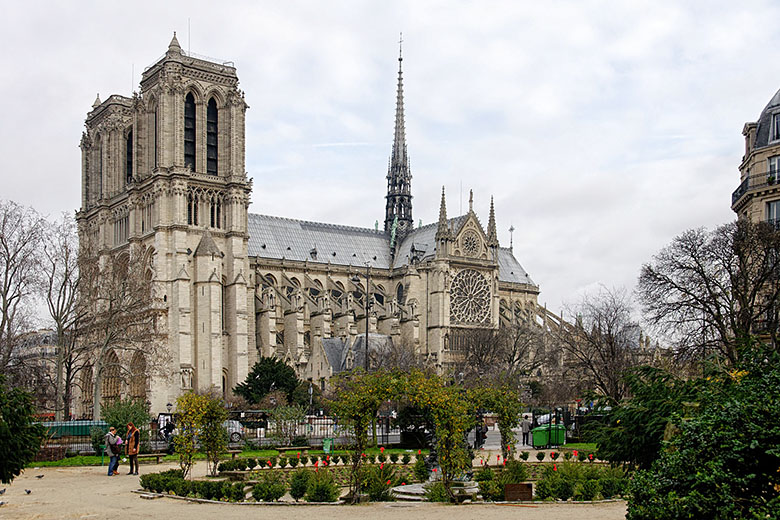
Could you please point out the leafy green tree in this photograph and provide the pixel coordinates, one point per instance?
(724, 462)
(504, 401)
(123, 411)
(267, 375)
(20, 437)
(189, 409)
(635, 431)
(212, 435)
(357, 400)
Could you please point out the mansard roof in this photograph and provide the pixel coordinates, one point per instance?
(765, 121)
(300, 240)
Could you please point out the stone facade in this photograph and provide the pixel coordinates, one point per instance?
(164, 171)
(758, 196)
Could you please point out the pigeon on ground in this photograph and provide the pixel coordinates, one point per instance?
(2, 503)
(2, 491)
(27, 491)
(38, 476)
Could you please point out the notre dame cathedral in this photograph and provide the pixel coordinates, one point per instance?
(164, 170)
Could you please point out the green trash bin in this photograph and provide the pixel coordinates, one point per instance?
(558, 435)
(539, 436)
(554, 435)
(327, 444)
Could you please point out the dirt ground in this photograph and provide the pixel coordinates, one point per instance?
(86, 492)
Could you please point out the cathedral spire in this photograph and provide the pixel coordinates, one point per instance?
(443, 230)
(399, 175)
(491, 230)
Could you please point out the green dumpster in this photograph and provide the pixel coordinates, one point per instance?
(539, 436)
(543, 436)
(327, 444)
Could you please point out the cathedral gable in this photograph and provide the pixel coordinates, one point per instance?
(471, 241)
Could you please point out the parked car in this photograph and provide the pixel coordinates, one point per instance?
(234, 429)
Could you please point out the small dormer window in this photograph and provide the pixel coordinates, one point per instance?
(775, 127)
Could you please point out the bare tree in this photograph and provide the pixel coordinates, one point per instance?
(400, 355)
(713, 289)
(59, 285)
(20, 239)
(603, 342)
(119, 318)
(526, 347)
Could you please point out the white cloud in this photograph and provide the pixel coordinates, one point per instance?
(603, 129)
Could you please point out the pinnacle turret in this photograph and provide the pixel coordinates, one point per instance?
(443, 230)
(399, 176)
(491, 230)
(174, 45)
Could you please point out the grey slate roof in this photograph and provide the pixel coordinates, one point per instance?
(335, 350)
(380, 343)
(509, 269)
(278, 237)
(423, 240)
(765, 121)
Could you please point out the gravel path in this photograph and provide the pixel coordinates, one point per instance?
(87, 493)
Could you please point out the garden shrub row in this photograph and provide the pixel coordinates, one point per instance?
(567, 480)
(172, 482)
(313, 486)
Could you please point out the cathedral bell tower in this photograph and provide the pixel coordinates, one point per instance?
(165, 170)
(398, 209)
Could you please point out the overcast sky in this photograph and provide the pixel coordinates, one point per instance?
(602, 129)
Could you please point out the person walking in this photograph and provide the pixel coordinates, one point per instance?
(113, 449)
(525, 427)
(132, 445)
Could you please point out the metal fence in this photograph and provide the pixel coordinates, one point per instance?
(257, 429)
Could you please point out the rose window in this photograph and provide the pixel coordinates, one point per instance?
(470, 244)
(470, 297)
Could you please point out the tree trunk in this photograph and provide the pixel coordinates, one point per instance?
(97, 389)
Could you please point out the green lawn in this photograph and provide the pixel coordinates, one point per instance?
(590, 447)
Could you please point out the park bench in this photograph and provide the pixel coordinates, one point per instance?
(233, 453)
(157, 456)
(304, 450)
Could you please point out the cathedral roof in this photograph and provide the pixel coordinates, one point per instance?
(207, 246)
(277, 237)
(421, 242)
(509, 269)
(317, 242)
(334, 353)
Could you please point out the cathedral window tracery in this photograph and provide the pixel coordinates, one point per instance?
(470, 298)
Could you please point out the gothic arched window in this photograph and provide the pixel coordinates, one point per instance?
(211, 137)
(189, 131)
(138, 377)
(129, 157)
(111, 383)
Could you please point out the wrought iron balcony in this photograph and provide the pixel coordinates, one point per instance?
(758, 180)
